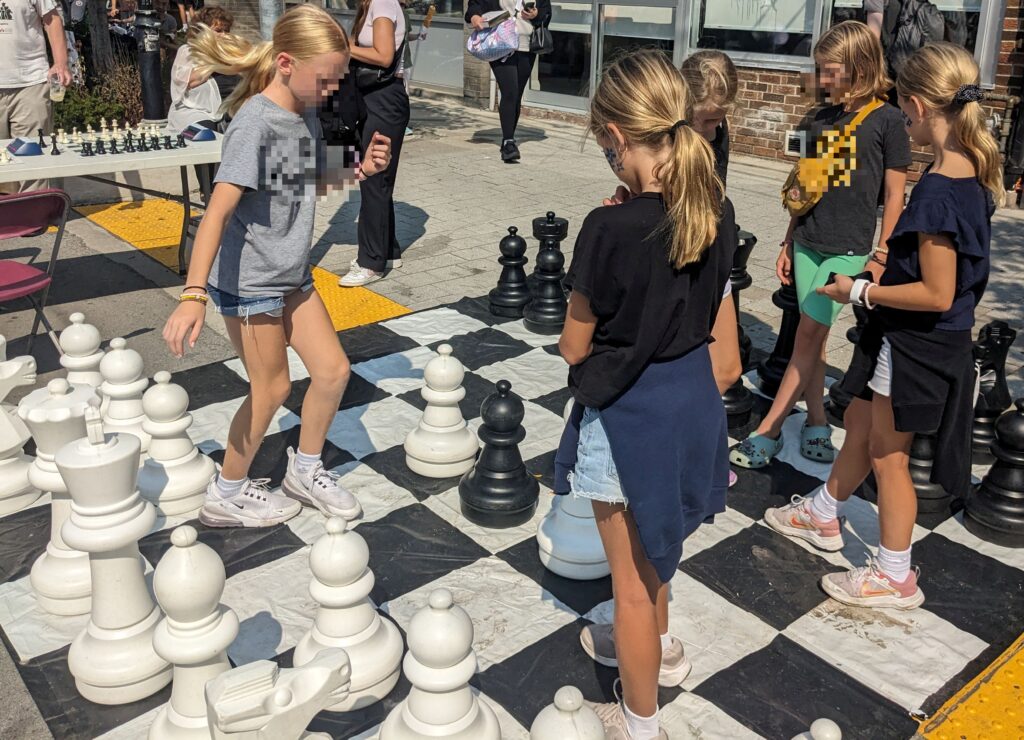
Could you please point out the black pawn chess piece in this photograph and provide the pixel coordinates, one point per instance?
(545, 312)
(995, 511)
(771, 370)
(990, 352)
(737, 399)
(512, 292)
(839, 395)
(155, 143)
(113, 147)
(101, 148)
(181, 141)
(54, 150)
(167, 142)
(143, 144)
(932, 498)
(498, 492)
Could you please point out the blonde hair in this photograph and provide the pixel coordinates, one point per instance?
(645, 97)
(711, 77)
(933, 74)
(852, 44)
(304, 32)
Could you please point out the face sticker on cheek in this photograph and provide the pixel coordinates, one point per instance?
(614, 161)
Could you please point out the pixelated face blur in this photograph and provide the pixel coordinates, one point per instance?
(914, 120)
(834, 79)
(707, 117)
(313, 80)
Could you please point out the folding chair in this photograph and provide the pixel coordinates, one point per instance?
(25, 214)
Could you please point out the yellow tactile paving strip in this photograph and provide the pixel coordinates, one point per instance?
(990, 707)
(154, 226)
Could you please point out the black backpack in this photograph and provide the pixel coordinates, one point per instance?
(908, 25)
(342, 115)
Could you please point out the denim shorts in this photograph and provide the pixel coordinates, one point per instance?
(243, 306)
(595, 476)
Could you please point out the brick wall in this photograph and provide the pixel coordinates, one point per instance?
(247, 16)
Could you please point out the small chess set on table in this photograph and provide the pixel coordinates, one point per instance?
(113, 140)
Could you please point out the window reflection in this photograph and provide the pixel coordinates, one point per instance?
(783, 27)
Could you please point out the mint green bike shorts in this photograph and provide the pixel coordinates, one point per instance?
(811, 269)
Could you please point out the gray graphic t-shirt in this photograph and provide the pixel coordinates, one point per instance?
(274, 154)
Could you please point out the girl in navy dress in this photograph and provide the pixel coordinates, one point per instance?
(914, 362)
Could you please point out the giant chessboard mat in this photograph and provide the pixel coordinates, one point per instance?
(770, 651)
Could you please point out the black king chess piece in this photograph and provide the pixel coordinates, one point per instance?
(990, 352)
(737, 399)
(771, 370)
(545, 313)
(995, 511)
(498, 492)
(512, 292)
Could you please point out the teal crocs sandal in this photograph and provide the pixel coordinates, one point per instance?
(816, 443)
(756, 451)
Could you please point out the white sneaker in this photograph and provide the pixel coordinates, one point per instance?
(255, 506)
(359, 276)
(319, 488)
(391, 265)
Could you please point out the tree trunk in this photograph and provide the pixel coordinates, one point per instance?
(99, 40)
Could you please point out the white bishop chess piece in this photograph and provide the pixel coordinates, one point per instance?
(55, 415)
(16, 491)
(112, 659)
(194, 634)
(122, 389)
(347, 619)
(175, 475)
(567, 537)
(81, 353)
(567, 719)
(439, 664)
(442, 446)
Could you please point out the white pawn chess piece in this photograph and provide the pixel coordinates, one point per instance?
(442, 446)
(822, 729)
(194, 634)
(347, 619)
(122, 389)
(81, 353)
(567, 538)
(112, 659)
(261, 701)
(439, 664)
(175, 475)
(567, 719)
(16, 491)
(5, 158)
(55, 415)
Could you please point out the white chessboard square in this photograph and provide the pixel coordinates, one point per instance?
(372, 427)
(543, 430)
(296, 367)
(727, 524)
(435, 325)
(954, 529)
(518, 330)
(510, 611)
(396, 373)
(447, 506)
(210, 424)
(31, 631)
(134, 729)
(691, 716)
(532, 375)
(510, 728)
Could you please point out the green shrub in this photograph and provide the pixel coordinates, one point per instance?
(82, 106)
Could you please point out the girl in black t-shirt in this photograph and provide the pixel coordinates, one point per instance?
(914, 367)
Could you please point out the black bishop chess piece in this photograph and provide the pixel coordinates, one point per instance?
(512, 293)
(737, 399)
(181, 141)
(771, 370)
(545, 312)
(498, 492)
(995, 510)
(101, 148)
(839, 394)
(994, 341)
(154, 143)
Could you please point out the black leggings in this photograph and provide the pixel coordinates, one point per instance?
(512, 75)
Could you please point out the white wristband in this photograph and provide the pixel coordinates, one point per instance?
(857, 291)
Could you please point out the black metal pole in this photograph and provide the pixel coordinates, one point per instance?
(147, 38)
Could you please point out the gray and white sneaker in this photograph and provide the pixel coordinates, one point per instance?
(359, 276)
(598, 641)
(613, 717)
(255, 506)
(320, 488)
(392, 264)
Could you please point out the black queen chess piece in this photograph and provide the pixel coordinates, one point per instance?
(545, 313)
(771, 370)
(994, 341)
(498, 492)
(995, 510)
(512, 293)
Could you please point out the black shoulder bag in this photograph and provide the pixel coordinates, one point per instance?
(370, 76)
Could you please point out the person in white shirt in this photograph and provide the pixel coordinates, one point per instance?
(197, 98)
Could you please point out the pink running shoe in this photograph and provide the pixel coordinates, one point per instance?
(732, 478)
(796, 520)
(869, 586)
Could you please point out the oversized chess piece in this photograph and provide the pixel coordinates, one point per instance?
(771, 370)
(442, 446)
(498, 492)
(567, 538)
(16, 491)
(439, 664)
(990, 352)
(347, 619)
(193, 637)
(931, 497)
(175, 475)
(81, 353)
(55, 415)
(821, 729)
(112, 659)
(839, 395)
(995, 510)
(261, 701)
(545, 313)
(512, 292)
(741, 280)
(122, 389)
(567, 719)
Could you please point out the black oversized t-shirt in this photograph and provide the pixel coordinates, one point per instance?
(646, 309)
(843, 221)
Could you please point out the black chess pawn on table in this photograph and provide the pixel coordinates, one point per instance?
(994, 398)
(101, 148)
(512, 293)
(545, 313)
(181, 141)
(155, 143)
(498, 492)
(995, 511)
(771, 370)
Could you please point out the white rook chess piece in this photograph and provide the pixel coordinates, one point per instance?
(567, 537)
(439, 664)
(567, 719)
(122, 388)
(442, 446)
(175, 476)
(55, 415)
(821, 729)
(80, 345)
(112, 659)
(189, 582)
(16, 491)
(346, 618)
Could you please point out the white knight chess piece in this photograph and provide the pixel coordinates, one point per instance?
(16, 491)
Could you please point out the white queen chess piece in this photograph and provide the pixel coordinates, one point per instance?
(80, 345)
(16, 491)
(122, 389)
(567, 719)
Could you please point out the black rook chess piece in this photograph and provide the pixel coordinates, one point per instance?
(839, 395)
(990, 352)
(771, 370)
(512, 292)
(498, 492)
(101, 148)
(737, 399)
(995, 511)
(545, 313)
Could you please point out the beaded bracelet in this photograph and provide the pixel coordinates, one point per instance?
(193, 297)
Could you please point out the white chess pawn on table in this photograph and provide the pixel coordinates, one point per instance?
(80, 345)
(567, 719)
(16, 491)
(5, 157)
(122, 389)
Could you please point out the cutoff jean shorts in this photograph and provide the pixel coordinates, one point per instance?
(244, 307)
(595, 476)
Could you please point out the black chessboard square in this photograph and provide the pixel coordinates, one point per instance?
(554, 401)
(272, 459)
(209, 384)
(542, 468)
(370, 341)
(391, 464)
(479, 308)
(580, 596)
(484, 347)
(358, 392)
(477, 389)
(775, 485)
(23, 538)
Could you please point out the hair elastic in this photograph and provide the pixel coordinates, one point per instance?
(672, 130)
(968, 94)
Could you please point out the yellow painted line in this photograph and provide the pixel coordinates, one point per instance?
(990, 707)
(350, 307)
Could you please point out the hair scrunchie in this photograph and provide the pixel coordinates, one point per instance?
(968, 94)
(675, 126)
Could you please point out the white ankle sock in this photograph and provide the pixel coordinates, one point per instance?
(894, 563)
(823, 506)
(666, 641)
(228, 488)
(641, 728)
(305, 463)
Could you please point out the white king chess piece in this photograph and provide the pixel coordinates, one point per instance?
(80, 345)
(16, 491)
